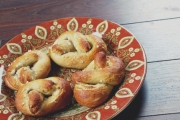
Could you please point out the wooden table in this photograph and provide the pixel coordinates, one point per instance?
(155, 23)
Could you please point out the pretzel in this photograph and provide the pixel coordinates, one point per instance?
(91, 95)
(43, 96)
(104, 69)
(75, 50)
(98, 79)
(31, 65)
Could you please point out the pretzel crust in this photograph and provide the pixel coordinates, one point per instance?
(91, 95)
(43, 96)
(94, 84)
(111, 72)
(29, 66)
(75, 50)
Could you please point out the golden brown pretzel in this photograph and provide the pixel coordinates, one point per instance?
(94, 84)
(91, 95)
(104, 69)
(43, 96)
(31, 65)
(75, 50)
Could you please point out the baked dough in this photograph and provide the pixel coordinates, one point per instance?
(43, 96)
(29, 66)
(103, 69)
(94, 84)
(92, 95)
(75, 50)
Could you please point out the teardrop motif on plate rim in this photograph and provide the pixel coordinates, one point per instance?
(124, 93)
(14, 48)
(16, 116)
(95, 115)
(125, 41)
(2, 97)
(102, 27)
(41, 32)
(133, 65)
(72, 25)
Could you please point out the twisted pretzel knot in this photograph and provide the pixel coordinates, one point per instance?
(31, 65)
(94, 84)
(43, 96)
(75, 50)
(104, 69)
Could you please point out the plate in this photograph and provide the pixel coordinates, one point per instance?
(121, 43)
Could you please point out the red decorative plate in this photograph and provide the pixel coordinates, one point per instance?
(121, 43)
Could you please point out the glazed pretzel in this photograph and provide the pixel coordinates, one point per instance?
(43, 96)
(75, 50)
(31, 65)
(94, 84)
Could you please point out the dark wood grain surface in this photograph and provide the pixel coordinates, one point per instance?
(155, 23)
